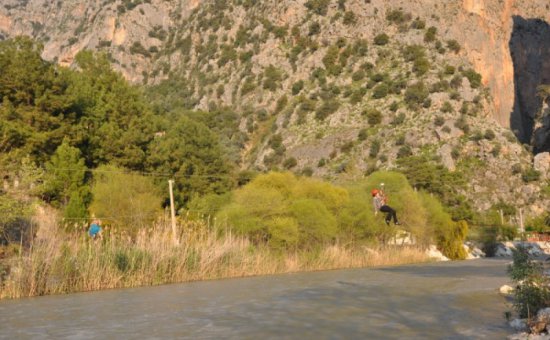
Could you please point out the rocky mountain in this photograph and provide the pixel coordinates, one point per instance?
(340, 88)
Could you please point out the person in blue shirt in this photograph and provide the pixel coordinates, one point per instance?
(95, 229)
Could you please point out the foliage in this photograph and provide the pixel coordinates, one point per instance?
(473, 77)
(381, 39)
(435, 178)
(192, 154)
(285, 211)
(65, 182)
(15, 221)
(449, 235)
(416, 94)
(319, 7)
(532, 292)
(124, 200)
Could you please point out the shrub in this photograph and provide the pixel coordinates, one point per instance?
(283, 211)
(447, 107)
(421, 66)
(349, 18)
(439, 121)
(381, 39)
(418, 24)
(297, 87)
(430, 34)
(290, 163)
(404, 151)
(319, 7)
(413, 52)
(530, 175)
(449, 235)
(380, 91)
(416, 94)
(374, 148)
(397, 16)
(473, 77)
(330, 58)
(374, 117)
(532, 292)
(328, 108)
(314, 28)
(362, 135)
(453, 45)
(449, 70)
(111, 189)
(489, 134)
(272, 78)
(358, 75)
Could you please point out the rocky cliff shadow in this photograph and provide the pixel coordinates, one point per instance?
(530, 50)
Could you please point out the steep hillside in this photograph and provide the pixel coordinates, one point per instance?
(334, 88)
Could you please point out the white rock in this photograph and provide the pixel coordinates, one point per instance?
(544, 315)
(434, 253)
(506, 290)
(503, 250)
(520, 325)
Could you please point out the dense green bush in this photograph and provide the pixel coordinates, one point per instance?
(380, 91)
(430, 34)
(532, 292)
(289, 212)
(318, 6)
(473, 77)
(374, 116)
(449, 235)
(397, 16)
(381, 39)
(416, 94)
(124, 200)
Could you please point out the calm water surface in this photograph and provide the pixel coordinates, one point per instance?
(453, 300)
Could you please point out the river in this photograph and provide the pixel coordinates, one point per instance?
(452, 300)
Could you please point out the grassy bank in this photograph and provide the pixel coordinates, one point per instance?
(70, 262)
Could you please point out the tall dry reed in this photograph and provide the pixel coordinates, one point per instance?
(71, 262)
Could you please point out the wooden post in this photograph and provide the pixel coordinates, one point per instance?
(173, 213)
(501, 217)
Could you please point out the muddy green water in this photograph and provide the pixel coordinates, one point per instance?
(452, 300)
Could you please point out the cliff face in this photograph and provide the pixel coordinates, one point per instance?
(508, 43)
(485, 28)
(117, 27)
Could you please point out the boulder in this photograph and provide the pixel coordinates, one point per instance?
(506, 290)
(473, 250)
(519, 325)
(434, 253)
(503, 250)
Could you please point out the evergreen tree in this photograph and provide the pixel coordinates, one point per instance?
(192, 153)
(66, 177)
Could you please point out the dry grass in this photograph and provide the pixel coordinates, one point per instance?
(64, 263)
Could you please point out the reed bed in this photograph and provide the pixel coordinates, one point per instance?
(71, 262)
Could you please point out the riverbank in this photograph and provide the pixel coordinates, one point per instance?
(70, 262)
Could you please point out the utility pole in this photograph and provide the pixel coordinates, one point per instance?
(521, 226)
(173, 213)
